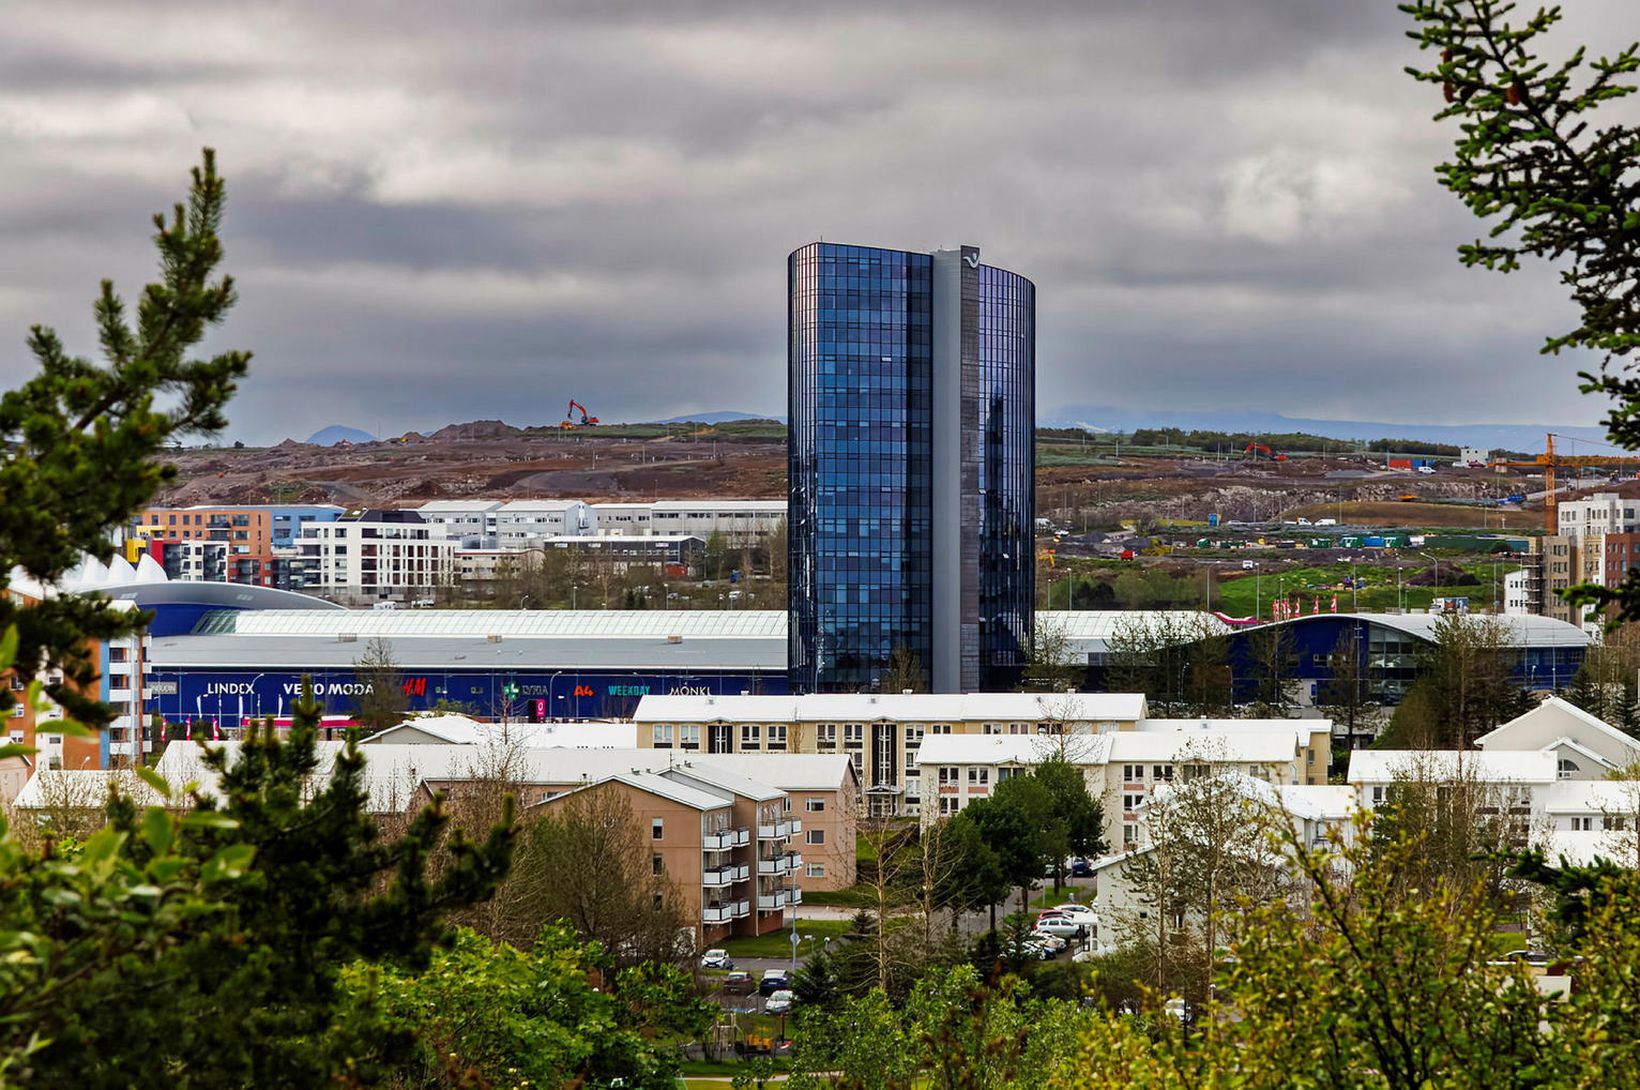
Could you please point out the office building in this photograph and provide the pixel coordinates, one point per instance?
(912, 406)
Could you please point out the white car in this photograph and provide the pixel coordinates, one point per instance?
(779, 1003)
(716, 958)
(1048, 939)
(1060, 926)
(1079, 913)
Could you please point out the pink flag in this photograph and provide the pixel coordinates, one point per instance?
(1335, 603)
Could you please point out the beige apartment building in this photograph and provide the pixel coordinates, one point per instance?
(880, 734)
(726, 842)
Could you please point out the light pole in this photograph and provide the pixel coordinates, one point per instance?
(1435, 590)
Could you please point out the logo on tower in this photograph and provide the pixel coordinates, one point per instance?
(972, 259)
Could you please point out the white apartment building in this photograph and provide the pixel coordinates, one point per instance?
(1602, 513)
(470, 523)
(377, 555)
(1124, 768)
(521, 522)
(623, 519)
(741, 522)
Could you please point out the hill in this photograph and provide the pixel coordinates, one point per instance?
(339, 433)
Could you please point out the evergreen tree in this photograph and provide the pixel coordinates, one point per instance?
(83, 442)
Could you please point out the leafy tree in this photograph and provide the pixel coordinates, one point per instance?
(1465, 687)
(905, 672)
(1078, 819)
(487, 1011)
(83, 442)
(1050, 666)
(1006, 829)
(1554, 185)
(976, 878)
(586, 862)
(1274, 661)
(383, 704)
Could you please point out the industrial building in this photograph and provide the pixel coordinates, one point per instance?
(911, 380)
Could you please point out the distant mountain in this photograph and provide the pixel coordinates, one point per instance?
(1527, 437)
(337, 433)
(718, 417)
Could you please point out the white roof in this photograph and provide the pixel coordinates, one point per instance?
(82, 789)
(460, 730)
(1517, 630)
(1318, 802)
(453, 507)
(898, 707)
(1264, 747)
(434, 623)
(1010, 749)
(541, 505)
(1592, 797)
(1578, 748)
(787, 771)
(656, 784)
(1499, 734)
(1580, 847)
(715, 776)
(708, 506)
(1389, 765)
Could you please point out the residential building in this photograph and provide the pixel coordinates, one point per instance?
(471, 523)
(881, 735)
(1584, 746)
(376, 555)
(911, 491)
(523, 522)
(1602, 513)
(623, 519)
(740, 523)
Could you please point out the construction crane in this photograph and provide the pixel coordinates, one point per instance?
(1255, 448)
(569, 413)
(1549, 461)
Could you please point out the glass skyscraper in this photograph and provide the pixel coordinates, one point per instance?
(912, 410)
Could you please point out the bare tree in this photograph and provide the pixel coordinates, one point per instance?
(383, 704)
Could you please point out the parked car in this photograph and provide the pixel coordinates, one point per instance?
(716, 958)
(1061, 927)
(1081, 868)
(779, 1002)
(739, 984)
(1051, 941)
(773, 981)
(1081, 914)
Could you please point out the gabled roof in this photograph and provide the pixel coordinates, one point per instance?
(708, 777)
(1389, 765)
(1263, 747)
(1578, 747)
(787, 771)
(1593, 722)
(654, 783)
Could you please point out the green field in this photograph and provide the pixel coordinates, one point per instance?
(1240, 593)
(778, 944)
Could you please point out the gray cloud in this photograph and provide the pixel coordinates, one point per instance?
(440, 212)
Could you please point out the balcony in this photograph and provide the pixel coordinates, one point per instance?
(780, 864)
(718, 913)
(794, 826)
(717, 876)
(723, 841)
(772, 902)
(778, 830)
(742, 909)
(795, 896)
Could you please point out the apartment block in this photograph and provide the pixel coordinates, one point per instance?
(375, 554)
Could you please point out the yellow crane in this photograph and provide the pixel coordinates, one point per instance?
(1549, 461)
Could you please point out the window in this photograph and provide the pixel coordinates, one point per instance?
(940, 728)
(991, 728)
(979, 776)
(913, 736)
(948, 804)
(657, 828)
(1378, 796)
(1566, 769)
(1133, 773)
(1131, 803)
(853, 734)
(1163, 773)
(116, 654)
(825, 736)
(786, 805)
(1195, 772)
(1582, 824)
(814, 836)
(689, 736)
(1130, 835)
(750, 736)
(815, 806)
(655, 865)
(662, 735)
(777, 736)
(815, 870)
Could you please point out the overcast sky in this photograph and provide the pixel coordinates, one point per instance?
(443, 212)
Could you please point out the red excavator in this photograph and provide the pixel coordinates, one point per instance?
(585, 421)
(1258, 450)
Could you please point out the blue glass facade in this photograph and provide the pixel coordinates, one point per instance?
(1007, 473)
(865, 558)
(861, 357)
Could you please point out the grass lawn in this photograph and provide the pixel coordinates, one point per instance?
(1057, 896)
(778, 944)
(1236, 592)
(853, 897)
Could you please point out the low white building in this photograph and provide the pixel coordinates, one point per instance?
(1584, 746)
(469, 523)
(520, 522)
